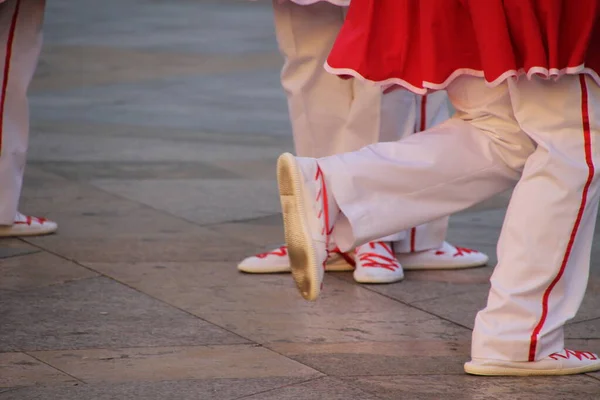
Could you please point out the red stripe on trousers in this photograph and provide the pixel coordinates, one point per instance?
(422, 127)
(587, 138)
(423, 114)
(7, 58)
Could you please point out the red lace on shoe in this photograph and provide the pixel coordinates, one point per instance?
(324, 212)
(323, 215)
(376, 260)
(345, 256)
(460, 251)
(580, 355)
(29, 220)
(280, 252)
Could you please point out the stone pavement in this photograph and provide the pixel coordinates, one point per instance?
(156, 125)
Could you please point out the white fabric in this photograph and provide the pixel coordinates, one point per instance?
(330, 115)
(26, 45)
(534, 127)
(540, 223)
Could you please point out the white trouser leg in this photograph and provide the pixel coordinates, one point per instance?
(318, 102)
(374, 117)
(544, 248)
(330, 115)
(20, 41)
(432, 110)
(388, 187)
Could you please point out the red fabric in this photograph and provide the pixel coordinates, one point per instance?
(425, 43)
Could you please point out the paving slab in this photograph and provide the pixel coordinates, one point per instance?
(19, 369)
(38, 270)
(98, 313)
(589, 329)
(328, 388)
(222, 111)
(174, 363)
(205, 245)
(129, 170)
(186, 25)
(86, 148)
(267, 308)
(463, 387)
(418, 356)
(208, 201)
(192, 389)
(266, 233)
(12, 247)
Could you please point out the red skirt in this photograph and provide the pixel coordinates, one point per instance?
(425, 44)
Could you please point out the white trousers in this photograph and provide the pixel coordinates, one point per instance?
(331, 116)
(543, 134)
(21, 41)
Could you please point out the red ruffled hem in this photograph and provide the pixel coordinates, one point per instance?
(424, 45)
(424, 87)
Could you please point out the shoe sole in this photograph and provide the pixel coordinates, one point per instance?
(276, 269)
(509, 371)
(26, 232)
(340, 266)
(442, 267)
(473, 264)
(374, 280)
(301, 251)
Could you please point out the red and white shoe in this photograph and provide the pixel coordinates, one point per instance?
(308, 217)
(446, 257)
(566, 362)
(28, 226)
(277, 261)
(376, 263)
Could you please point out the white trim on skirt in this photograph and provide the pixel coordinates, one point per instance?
(552, 73)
